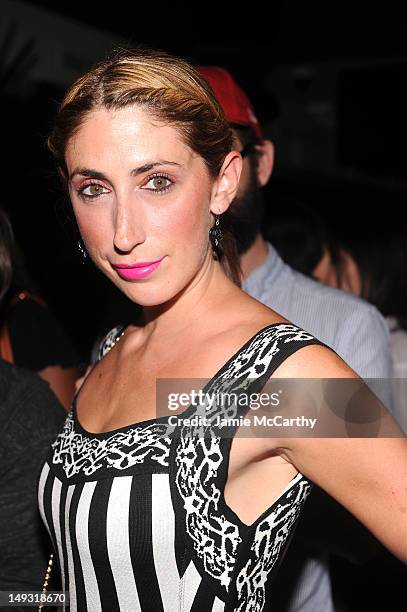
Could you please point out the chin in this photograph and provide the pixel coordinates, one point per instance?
(149, 295)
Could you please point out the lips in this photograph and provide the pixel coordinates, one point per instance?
(138, 270)
(142, 264)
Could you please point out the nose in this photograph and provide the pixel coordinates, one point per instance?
(128, 227)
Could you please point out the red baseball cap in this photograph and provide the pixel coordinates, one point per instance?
(235, 103)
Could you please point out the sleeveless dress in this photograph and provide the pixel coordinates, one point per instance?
(137, 516)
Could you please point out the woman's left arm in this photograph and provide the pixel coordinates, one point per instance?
(367, 475)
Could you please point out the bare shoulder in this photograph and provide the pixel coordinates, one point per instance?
(239, 329)
(234, 327)
(218, 340)
(243, 316)
(315, 361)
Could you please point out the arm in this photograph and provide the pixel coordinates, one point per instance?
(62, 382)
(325, 525)
(368, 476)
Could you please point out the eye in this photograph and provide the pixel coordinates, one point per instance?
(92, 190)
(158, 183)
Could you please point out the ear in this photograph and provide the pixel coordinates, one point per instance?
(226, 183)
(265, 161)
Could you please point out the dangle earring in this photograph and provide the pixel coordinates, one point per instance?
(216, 233)
(82, 250)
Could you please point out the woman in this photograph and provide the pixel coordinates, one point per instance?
(144, 516)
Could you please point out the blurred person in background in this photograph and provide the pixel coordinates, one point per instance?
(369, 262)
(30, 416)
(30, 336)
(372, 265)
(351, 326)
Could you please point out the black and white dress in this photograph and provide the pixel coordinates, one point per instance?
(138, 518)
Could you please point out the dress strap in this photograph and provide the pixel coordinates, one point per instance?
(272, 347)
(200, 450)
(250, 368)
(109, 340)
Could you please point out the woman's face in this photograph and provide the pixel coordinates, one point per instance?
(140, 196)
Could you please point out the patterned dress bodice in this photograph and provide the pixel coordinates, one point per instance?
(138, 518)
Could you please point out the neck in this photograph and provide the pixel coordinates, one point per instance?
(254, 256)
(199, 300)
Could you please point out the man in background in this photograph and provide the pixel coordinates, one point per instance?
(349, 325)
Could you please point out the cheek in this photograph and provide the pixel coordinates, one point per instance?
(187, 221)
(190, 223)
(94, 228)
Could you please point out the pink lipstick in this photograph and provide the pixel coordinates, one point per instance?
(136, 271)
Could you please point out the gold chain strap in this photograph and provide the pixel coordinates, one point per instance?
(46, 579)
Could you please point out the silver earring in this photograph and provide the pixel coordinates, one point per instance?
(82, 250)
(216, 233)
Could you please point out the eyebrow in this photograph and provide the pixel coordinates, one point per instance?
(135, 172)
